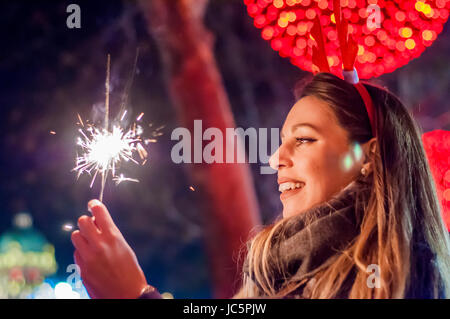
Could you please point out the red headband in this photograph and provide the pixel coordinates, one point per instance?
(349, 50)
(369, 105)
(352, 77)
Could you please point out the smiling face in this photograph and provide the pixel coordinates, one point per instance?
(314, 158)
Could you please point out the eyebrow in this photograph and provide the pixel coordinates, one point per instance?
(296, 126)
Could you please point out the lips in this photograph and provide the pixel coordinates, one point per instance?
(288, 180)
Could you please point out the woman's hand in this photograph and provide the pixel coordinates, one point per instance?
(109, 267)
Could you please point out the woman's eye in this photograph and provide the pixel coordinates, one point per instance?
(304, 140)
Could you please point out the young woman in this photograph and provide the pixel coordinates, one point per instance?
(360, 213)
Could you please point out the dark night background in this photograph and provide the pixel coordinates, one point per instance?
(49, 73)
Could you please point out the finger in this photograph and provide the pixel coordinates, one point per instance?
(77, 258)
(88, 229)
(79, 261)
(103, 219)
(80, 243)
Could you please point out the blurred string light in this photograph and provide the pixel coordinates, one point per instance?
(64, 291)
(26, 258)
(407, 28)
(60, 290)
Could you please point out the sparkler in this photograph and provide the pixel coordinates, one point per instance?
(104, 150)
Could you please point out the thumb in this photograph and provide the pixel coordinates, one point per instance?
(102, 217)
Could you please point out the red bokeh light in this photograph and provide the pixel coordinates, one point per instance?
(437, 147)
(407, 28)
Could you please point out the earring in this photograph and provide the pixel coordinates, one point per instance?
(364, 171)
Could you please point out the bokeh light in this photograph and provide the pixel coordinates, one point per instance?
(347, 162)
(64, 291)
(406, 28)
(357, 152)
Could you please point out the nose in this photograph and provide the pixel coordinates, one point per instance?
(280, 158)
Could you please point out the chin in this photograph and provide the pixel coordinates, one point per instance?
(291, 212)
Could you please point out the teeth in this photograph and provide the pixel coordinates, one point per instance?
(288, 186)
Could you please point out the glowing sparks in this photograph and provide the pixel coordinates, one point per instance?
(103, 151)
(149, 140)
(119, 179)
(123, 115)
(141, 151)
(80, 120)
(105, 148)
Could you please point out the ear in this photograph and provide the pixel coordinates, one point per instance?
(369, 150)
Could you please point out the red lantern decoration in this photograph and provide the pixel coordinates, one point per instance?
(437, 148)
(389, 34)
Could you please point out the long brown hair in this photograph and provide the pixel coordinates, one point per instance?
(401, 231)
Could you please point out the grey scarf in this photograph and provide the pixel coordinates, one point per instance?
(308, 242)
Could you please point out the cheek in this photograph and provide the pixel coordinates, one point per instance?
(315, 168)
(325, 176)
(322, 171)
(333, 163)
(318, 165)
(338, 171)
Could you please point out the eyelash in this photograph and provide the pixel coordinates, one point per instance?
(301, 140)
